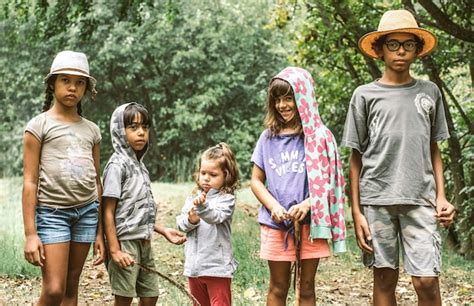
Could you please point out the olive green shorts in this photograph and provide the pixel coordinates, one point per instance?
(133, 281)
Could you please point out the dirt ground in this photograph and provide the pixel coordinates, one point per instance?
(337, 283)
(354, 288)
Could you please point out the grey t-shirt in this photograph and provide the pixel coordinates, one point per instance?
(67, 176)
(393, 128)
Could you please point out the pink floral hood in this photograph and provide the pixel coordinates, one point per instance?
(323, 164)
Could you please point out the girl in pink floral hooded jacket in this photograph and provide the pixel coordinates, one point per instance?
(297, 176)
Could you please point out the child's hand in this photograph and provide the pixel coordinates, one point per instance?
(34, 251)
(174, 236)
(299, 211)
(99, 250)
(362, 233)
(200, 200)
(122, 259)
(445, 212)
(193, 218)
(279, 214)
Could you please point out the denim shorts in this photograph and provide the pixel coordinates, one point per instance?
(56, 225)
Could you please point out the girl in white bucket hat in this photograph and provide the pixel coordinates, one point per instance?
(396, 172)
(61, 182)
(70, 63)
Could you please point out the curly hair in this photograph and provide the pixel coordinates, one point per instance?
(222, 154)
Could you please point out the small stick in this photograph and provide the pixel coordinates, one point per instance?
(297, 280)
(178, 285)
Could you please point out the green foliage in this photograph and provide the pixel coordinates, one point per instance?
(201, 69)
(326, 33)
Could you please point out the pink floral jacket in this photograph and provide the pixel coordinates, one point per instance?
(323, 164)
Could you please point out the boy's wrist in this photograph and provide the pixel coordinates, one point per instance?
(356, 213)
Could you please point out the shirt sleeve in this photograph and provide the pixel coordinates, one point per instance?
(355, 134)
(36, 127)
(98, 136)
(257, 155)
(222, 211)
(182, 221)
(439, 126)
(112, 181)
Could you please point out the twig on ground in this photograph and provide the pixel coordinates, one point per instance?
(176, 284)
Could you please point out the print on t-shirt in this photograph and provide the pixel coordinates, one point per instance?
(424, 104)
(288, 163)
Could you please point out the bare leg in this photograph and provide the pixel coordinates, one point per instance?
(279, 282)
(308, 273)
(123, 301)
(77, 256)
(54, 273)
(385, 282)
(148, 301)
(427, 289)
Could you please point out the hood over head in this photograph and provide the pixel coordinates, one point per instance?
(119, 137)
(323, 164)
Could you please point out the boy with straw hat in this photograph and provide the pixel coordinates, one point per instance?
(397, 186)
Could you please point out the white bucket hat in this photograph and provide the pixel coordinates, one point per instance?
(397, 21)
(70, 62)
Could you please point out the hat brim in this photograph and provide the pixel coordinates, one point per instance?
(366, 41)
(73, 72)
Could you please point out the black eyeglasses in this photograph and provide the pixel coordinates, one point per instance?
(393, 45)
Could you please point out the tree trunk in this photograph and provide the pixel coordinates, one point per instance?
(444, 23)
(456, 165)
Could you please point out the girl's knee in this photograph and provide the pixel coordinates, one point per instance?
(54, 294)
(307, 287)
(279, 288)
(307, 293)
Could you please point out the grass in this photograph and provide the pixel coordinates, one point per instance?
(12, 262)
(251, 279)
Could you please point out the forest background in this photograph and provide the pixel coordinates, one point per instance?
(202, 67)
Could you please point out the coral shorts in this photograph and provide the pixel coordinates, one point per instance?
(272, 245)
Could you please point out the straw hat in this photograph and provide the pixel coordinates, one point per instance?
(70, 62)
(397, 21)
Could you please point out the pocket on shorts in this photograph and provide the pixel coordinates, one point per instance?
(45, 211)
(436, 252)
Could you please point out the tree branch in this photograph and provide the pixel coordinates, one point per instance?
(445, 23)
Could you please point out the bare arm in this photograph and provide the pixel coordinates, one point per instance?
(33, 249)
(444, 210)
(257, 184)
(360, 222)
(99, 245)
(170, 234)
(120, 258)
